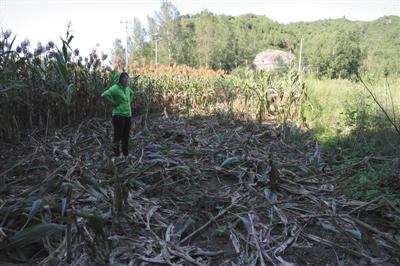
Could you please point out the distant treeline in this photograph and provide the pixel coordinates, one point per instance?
(333, 48)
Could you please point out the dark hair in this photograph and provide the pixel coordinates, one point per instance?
(122, 75)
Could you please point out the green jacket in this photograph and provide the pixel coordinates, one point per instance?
(119, 97)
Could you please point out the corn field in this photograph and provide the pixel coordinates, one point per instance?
(49, 88)
(53, 87)
(254, 93)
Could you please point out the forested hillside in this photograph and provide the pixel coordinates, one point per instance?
(332, 48)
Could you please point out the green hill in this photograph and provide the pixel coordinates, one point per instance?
(334, 48)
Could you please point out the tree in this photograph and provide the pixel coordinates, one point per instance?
(185, 44)
(167, 22)
(335, 53)
(118, 53)
(138, 39)
(346, 54)
(206, 33)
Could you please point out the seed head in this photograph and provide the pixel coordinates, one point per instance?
(28, 55)
(7, 34)
(49, 45)
(25, 43)
(39, 49)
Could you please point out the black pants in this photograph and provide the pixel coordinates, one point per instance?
(122, 126)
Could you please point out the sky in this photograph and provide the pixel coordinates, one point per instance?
(97, 23)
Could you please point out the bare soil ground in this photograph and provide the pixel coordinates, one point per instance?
(198, 191)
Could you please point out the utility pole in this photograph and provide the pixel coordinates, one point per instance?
(1, 17)
(301, 50)
(126, 42)
(156, 53)
(156, 38)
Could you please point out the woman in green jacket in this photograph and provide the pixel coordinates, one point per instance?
(120, 96)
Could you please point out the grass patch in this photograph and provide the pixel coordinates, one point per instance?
(355, 134)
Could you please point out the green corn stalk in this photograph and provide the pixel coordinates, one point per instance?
(61, 64)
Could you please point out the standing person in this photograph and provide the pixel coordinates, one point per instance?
(120, 96)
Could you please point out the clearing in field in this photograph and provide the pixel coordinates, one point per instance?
(199, 191)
